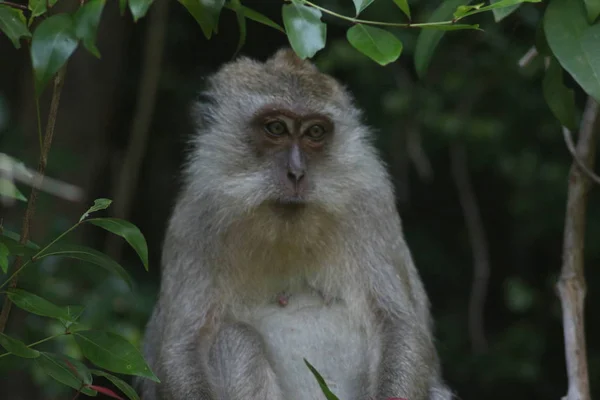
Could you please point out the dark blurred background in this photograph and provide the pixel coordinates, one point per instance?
(476, 127)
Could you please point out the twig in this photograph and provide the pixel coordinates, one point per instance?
(528, 57)
(571, 285)
(479, 246)
(142, 118)
(13, 5)
(571, 146)
(59, 80)
(418, 156)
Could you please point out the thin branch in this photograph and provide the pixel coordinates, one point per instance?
(14, 5)
(59, 80)
(479, 246)
(571, 146)
(418, 155)
(528, 57)
(142, 118)
(571, 285)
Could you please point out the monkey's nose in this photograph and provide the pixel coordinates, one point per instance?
(295, 175)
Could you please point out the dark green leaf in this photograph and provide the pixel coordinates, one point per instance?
(112, 352)
(304, 28)
(403, 5)
(12, 23)
(593, 9)
(465, 11)
(324, 388)
(127, 231)
(9, 189)
(241, 20)
(122, 385)
(67, 371)
(501, 13)
(451, 27)
(258, 17)
(541, 44)
(574, 43)
(139, 8)
(37, 305)
(206, 13)
(74, 312)
(99, 204)
(53, 42)
(378, 44)
(560, 99)
(122, 7)
(37, 7)
(429, 39)
(9, 238)
(90, 255)
(87, 19)
(360, 5)
(17, 347)
(4, 252)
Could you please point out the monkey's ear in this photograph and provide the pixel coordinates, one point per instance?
(286, 58)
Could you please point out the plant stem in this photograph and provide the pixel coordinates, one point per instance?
(13, 5)
(39, 122)
(30, 211)
(39, 342)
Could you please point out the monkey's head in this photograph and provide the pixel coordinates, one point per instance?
(281, 134)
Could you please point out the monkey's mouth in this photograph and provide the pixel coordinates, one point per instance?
(289, 204)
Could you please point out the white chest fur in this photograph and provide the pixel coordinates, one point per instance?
(324, 334)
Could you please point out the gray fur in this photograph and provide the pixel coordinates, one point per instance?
(357, 308)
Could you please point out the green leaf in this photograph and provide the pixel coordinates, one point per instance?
(112, 352)
(378, 44)
(74, 312)
(465, 11)
(236, 6)
(360, 5)
(429, 39)
(99, 204)
(501, 13)
(67, 371)
(206, 13)
(9, 189)
(4, 252)
(139, 8)
(17, 347)
(90, 255)
(324, 388)
(258, 17)
(122, 7)
(53, 42)
(12, 23)
(11, 238)
(574, 43)
(38, 7)
(87, 19)
(37, 305)
(593, 9)
(127, 231)
(403, 5)
(121, 384)
(560, 99)
(451, 27)
(304, 28)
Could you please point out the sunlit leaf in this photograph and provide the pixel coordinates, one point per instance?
(403, 5)
(121, 384)
(127, 231)
(465, 11)
(206, 13)
(4, 252)
(53, 42)
(9, 189)
(560, 99)
(87, 19)
(99, 204)
(304, 28)
(90, 255)
(429, 39)
(67, 371)
(139, 8)
(501, 13)
(112, 352)
(38, 7)
(17, 347)
(324, 388)
(12, 23)
(378, 44)
(574, 43)
(37, 305)
(360, 5)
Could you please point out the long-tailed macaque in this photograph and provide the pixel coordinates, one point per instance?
(285, 244)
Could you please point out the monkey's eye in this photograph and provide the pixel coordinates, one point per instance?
(275, 128)
(316, 132)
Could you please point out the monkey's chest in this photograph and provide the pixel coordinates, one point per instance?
(326, 336)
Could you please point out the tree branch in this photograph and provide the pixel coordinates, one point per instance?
(479, 246)
(571, 285)
(59, 80)
(569, 142)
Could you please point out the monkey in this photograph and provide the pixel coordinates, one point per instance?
(285, 245)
